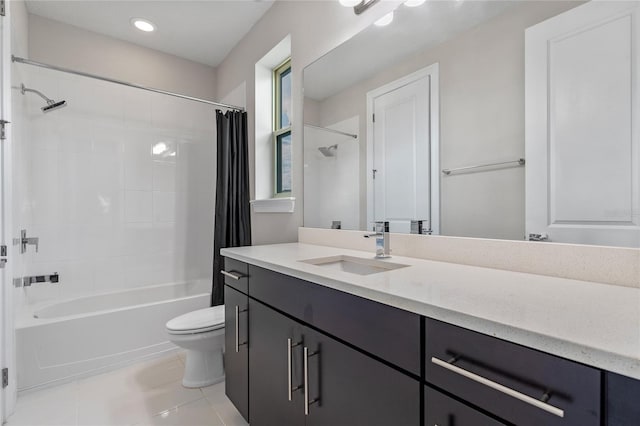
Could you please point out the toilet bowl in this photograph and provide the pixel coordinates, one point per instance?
(201, 334)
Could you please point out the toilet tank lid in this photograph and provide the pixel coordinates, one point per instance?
(202, 318)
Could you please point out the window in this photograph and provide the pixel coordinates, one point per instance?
(282, 127)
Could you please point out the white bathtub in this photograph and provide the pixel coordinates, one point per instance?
(88, 335)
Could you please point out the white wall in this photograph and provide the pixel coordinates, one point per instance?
(331, 184)
(72, 47)
(482, 119)
(315, 27)
(119, 185)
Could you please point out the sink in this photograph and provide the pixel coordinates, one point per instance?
(354, 265)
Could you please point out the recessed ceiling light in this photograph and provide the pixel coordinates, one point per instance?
(143, 25)
(414, 3)
(385, 20)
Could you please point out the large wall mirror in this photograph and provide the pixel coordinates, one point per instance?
(491, 119)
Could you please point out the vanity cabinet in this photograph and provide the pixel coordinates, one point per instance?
(344, 386)
(236, 356)
(371, 364)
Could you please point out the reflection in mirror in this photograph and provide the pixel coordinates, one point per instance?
(437, 100)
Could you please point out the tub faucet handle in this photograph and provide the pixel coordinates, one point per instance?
(24, 241)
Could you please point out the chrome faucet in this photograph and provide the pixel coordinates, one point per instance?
(382, 239)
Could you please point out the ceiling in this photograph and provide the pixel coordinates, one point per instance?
(377, 48)
(202, 31)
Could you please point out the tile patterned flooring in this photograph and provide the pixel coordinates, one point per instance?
(149, 393)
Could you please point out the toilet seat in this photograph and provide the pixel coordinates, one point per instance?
(200, 321)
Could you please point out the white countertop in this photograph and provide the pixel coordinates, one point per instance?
(595, 324)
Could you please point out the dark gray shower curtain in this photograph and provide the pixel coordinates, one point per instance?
(232, 215)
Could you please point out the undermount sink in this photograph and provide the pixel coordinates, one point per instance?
(354, 265)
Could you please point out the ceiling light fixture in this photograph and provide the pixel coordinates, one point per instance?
(414, 3)
(385, 20)
(143, 25)
(359, 6)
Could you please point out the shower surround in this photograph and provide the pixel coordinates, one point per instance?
(118, 186)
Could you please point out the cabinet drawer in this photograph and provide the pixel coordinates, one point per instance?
(440, 410)
(238, 274)
(510, 380)
(389, 333)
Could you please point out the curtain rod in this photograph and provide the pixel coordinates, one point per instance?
(123, 83)
(326, 129)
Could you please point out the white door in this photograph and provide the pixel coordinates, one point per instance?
(582, 125)
(400, 171)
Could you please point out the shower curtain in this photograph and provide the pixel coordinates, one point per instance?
(232, 215)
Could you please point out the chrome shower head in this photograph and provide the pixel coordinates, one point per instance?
(328, 151)
(51, 104)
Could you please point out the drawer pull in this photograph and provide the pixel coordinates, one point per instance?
(232, 275)
(238, 344)
(500, 388)
(290, 387)
(306, 357)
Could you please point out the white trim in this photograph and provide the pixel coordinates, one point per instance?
(274, 205)
(7, 357)
(432, 72)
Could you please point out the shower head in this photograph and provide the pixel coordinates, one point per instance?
(51, 104)
(328, 151)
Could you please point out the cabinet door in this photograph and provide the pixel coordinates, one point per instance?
(350, 388)
(622, 400)
(440, 410)
(236, 356)
(270, 368)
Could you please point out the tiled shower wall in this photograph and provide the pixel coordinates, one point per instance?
(119, 186)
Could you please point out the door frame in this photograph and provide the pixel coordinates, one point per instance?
(432, 73)
(8, 395)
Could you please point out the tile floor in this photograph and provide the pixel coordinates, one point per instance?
(148, 393)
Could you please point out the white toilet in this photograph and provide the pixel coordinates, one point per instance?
(201, 333)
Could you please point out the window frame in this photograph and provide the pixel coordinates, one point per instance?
(279, 132)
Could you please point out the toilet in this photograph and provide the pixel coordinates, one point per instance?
(201, 333)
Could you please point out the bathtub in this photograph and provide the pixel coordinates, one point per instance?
(60, 342)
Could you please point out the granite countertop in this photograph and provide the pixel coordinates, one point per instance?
(595, 324)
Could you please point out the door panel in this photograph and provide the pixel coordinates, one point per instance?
(353, 389)
(236, 363)
(268, 383)
(401, 158)
(582, 136)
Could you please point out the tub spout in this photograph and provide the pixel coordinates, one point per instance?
(53, 278)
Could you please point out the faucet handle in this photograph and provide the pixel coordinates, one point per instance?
(381, 226)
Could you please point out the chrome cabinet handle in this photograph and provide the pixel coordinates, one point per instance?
(232, 275)
(500, 388)
(306, 357)
(290, 387)
(238, 344)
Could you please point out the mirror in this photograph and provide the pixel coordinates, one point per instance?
(426, 119)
